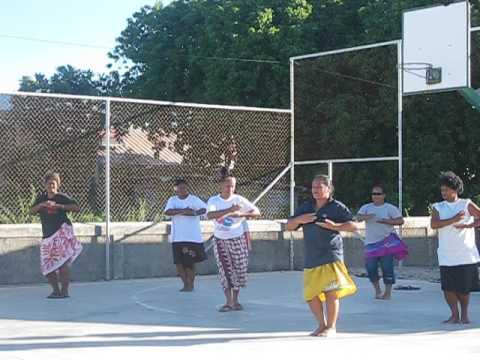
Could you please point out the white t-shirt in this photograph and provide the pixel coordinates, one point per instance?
(456, 246)
(374, 231)
(185, 228)
(229, 227)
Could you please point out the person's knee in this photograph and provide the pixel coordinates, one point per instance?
(188, 270)
(389, 279)
(331, 296)
(372, 273)
(314, 300)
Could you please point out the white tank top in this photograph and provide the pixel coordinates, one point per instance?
(456, 246)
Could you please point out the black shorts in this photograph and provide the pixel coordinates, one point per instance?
(461, 279)
(188, 253)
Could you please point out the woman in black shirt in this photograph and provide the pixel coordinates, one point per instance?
(326, 278)
(59, 246)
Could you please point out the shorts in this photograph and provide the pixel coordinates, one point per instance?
(461, 279)
(188, 253)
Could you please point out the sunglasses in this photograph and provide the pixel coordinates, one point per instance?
(377, 193)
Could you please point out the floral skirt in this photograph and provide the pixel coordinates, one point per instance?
(58, 249)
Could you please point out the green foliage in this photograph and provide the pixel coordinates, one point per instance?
(140, 212)
(183, 52)
(21, 214)
(87, 217)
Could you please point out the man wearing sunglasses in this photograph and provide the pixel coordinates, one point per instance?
(380, 218)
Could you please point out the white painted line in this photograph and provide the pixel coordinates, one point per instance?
(135, 298)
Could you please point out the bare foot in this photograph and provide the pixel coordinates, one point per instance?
(378, 296)
(55, 295)
(465, 320)
(386, 296)
(237, 307)
(452, 320)
(328, 332)
(318, 330)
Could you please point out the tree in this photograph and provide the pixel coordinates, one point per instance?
(236, 52)
(70, 80)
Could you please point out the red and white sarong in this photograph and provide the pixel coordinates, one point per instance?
(58, 249)
(232, 261)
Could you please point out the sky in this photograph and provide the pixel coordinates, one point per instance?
(94, 22)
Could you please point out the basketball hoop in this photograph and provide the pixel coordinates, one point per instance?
(433, 75)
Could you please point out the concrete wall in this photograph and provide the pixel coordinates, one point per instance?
(141, 250)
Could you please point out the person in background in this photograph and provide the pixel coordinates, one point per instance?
(380, 218)
(229, 212)
(455, 219)
(186, 234)
(59, 247)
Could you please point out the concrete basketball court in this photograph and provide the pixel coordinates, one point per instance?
(150, 319)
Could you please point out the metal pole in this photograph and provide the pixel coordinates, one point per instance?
(272, 184)
(400, 123)
(292, 157)
(144, 101)
(340, 161)
(400, 130)
(107, 190)
(330, 170)
(345, 50)
(292, 252)
(292, 138)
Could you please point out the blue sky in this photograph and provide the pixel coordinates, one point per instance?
(93, 22)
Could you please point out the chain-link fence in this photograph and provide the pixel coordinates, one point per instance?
(346, 115)
(151, 144)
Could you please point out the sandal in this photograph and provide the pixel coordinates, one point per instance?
(406, 287)
(55, 296)
(225, 308)
(237, 307)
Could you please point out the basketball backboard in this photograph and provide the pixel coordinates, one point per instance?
(436, 48)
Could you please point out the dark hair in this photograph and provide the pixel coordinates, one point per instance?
(180, 181)
(325, 179)
(224, 174)
(380, 186)
(452, 181)
(51, 175)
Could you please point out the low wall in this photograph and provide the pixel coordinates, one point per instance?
(141, 250)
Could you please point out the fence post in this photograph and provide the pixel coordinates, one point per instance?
(107, 191)
(292, 252)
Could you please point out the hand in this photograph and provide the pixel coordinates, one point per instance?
(189, 212)
(236, 214)
(248, 214)
(384, 221)
(235, 208)
(366, 217)
(327, 224)
(307, 218)
(464, 226)
(44, 205)
(459, 216)
(53, 205)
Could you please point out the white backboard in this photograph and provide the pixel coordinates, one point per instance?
(437, 37)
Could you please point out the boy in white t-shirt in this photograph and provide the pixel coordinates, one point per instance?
(186, 234)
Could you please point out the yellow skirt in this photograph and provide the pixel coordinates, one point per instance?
(327, 278)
